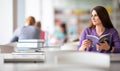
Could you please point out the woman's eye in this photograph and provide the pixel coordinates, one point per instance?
(95, 15)
(91, 15)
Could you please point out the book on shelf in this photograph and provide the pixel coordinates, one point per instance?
(100, 39)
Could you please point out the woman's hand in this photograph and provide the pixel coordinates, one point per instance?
(103, 46)
(85, 44)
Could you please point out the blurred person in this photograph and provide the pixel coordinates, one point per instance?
(100, 25)
(28, 31)
(42, 33)
(60, 34)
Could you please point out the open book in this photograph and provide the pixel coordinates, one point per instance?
(100, 39)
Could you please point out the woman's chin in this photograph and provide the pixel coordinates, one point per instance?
(95, 24)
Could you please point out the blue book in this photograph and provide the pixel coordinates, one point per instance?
(98, 40)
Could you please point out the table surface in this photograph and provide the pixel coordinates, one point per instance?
(46, 67)
(14, 57)
(24, 57)
(114, 57)
(41, 57)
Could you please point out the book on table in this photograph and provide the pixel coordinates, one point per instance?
(24, 45)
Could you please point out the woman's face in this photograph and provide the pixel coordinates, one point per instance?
(95, 18)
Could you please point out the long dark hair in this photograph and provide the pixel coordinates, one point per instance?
(63, 25)
(104, 17)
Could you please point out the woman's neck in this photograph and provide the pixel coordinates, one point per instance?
(99, 30)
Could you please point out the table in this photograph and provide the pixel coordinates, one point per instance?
(46, 67)
(24, 57)
(39, 57)
(115, 57)
(115, 62)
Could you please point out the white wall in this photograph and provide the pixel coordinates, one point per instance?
(6, 20)
(48, 15)
(20, 12)
(42, 10)
(33, 8)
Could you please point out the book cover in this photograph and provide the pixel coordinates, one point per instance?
(100, 39)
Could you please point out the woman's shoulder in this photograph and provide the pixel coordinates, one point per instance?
(88, 29)
(112, 30)
(30, 27)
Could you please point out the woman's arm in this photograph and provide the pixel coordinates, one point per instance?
(116, 42)
(84, 43)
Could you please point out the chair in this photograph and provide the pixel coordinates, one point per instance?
(92, 59)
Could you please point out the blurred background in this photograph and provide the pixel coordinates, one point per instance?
(74, 14)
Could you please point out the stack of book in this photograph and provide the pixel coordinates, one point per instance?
(29, 44)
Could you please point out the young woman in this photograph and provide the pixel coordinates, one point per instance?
(100, 25)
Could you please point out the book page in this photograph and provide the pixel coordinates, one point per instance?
(93, 38)
(104, 38)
